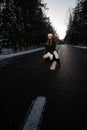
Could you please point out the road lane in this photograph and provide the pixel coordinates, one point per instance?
(28, 77)
(68, 106)
(34, 117)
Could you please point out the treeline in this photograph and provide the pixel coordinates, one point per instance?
(23, 23)
(77, 28)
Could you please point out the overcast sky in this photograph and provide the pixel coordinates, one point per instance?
(58, 13)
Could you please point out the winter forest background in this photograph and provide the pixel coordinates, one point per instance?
(77, 27)
(23, 23)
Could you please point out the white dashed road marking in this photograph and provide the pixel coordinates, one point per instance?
(35, 116)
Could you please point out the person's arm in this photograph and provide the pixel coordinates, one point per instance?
(46, 46)
(54, 45)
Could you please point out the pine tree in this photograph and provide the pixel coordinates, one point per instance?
(76, 34)
(23, 23)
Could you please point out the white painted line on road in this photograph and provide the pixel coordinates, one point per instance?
(35, 116)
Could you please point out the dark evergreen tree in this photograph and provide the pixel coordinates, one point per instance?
(77, 29)
(23, 23)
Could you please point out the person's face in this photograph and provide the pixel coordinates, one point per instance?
(50, 37)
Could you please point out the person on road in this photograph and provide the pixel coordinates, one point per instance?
(50, 47)
(51, 52)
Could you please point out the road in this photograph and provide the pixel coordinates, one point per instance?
(26, 77)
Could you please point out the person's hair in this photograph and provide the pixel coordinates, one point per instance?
(50, 42)
(50, 34)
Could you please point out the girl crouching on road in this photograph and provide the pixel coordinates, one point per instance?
(51, 52)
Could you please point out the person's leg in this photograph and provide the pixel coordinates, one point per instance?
(46, 56)
(56, 55)
(53, 65)
(50, 56)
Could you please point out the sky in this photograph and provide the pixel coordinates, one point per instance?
(59, 14)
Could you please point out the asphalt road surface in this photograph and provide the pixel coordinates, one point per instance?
(26, 77)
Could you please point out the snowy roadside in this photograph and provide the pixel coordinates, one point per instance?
(3, 57)
(83, 47)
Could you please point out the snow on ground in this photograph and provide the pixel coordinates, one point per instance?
(83, 47)
(3, 57)
(6, 56)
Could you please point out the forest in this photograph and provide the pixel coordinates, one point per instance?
(23, 23)
(77, 28)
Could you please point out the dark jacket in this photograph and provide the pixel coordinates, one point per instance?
(50, 48)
